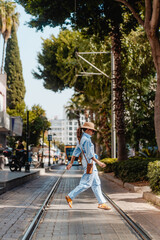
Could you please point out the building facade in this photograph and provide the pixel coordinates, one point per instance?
(65, 130)
(8, 125)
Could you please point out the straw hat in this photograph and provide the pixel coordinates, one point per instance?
(88, 125)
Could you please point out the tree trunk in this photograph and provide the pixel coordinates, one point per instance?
(155, 47)
(119, 104)
(98, 148)
(151, 26)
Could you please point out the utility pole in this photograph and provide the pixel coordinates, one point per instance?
(49, 140)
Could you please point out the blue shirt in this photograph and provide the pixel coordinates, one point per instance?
(87, 147)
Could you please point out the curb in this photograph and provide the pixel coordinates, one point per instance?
(128, 186)
(146, 190)
(15, 182)
(151, 197)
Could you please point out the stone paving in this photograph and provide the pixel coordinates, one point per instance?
(19, 206)
(9, 180)
(84, 221)
(145, 214)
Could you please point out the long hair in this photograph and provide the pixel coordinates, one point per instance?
(79, 134)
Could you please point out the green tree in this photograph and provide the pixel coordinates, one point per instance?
(38, 124)
(8, 18)
(13, 68)
(57, 62)
(93, 17)
(139, 89)
(92, 93)
(137, 85)
(147, 14)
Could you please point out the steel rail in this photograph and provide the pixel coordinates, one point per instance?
(138, 229)
(33, 226)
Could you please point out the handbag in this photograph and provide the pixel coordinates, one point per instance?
(89, 168)
(89, 165)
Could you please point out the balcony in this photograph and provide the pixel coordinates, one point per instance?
(16, 126)
(5, 125)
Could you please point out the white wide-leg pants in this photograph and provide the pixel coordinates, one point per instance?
(87, 181)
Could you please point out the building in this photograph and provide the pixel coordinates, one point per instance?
(65, 130)
(8, 125)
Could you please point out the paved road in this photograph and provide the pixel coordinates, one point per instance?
(19, 206)
(85, 221)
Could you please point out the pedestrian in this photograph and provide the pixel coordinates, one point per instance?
(86, 147)
(19, 148)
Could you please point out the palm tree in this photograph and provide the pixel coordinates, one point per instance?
(9, 19)
(2, 17)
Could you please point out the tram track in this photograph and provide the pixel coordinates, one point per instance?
(34, 224)
(138, 229)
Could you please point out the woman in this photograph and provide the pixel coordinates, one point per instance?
(88, 180)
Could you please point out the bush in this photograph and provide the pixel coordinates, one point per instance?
(154, 176)
(109, 164)
(132, 170)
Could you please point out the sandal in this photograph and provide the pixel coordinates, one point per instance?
(104, 206)
(69, 201)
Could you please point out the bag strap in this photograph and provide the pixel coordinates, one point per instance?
(83, 153)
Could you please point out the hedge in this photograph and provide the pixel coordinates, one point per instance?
(109, 164)
(154, 176)
(131, 170)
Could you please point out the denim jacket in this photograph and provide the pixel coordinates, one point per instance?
(88, 148)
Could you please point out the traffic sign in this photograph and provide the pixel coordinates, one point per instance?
(49, 137)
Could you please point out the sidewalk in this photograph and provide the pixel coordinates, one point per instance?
(142, 212)
(19, 206)
(9, 180)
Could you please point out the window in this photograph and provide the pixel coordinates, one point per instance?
(70, 123)
(70, 139)
(70, 134)
(70, 128)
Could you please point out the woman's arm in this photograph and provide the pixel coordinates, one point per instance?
(101, 164)
(71, 162)
(76, 153)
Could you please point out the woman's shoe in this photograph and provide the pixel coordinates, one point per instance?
(69, 201)
(104, 206)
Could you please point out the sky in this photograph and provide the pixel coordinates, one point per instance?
(29, 41)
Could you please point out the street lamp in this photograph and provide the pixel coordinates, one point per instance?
(49, 140)
(43, 119)
(54, 138)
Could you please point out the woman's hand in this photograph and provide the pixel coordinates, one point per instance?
(69, 166)
(101, 164)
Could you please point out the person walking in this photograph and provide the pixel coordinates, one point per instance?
(92, 180)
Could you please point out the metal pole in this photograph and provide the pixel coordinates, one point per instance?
(27, 166)
(49, 164)
(113, 117)
(42, 163)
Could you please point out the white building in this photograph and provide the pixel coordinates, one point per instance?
(65, 130)
(9, 125)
